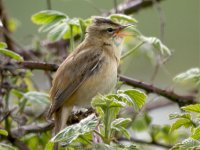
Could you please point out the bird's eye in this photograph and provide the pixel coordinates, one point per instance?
(110, 30)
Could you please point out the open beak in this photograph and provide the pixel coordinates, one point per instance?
(120, 31)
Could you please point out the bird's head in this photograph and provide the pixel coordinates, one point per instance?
(103, 28)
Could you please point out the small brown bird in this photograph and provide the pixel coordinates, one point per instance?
(90, 69)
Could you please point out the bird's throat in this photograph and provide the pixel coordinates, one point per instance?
(117, 41)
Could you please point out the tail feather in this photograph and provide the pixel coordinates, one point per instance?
(57, 126)
(60, 119)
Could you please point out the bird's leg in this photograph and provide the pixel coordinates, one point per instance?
(65, 113)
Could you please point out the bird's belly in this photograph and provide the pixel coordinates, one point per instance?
(102, 82)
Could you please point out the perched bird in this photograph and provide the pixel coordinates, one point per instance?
(90, 69)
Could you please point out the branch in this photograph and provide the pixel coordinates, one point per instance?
(181, 100)
(145, 142)
(37, 65)
(32, 128)
(132, 6)
(4, 18)
(39, 128)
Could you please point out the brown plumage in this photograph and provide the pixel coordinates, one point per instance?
(90, 69)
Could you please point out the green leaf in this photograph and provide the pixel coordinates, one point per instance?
(11, 54)
(106, 101)
(82, 26)
(76, 30)
(177, 115)
(3, 45)
(196, 133)
(187, 144)
(191, 76)
(102, 146)
(137, 97)
(181, 122)
(192, 108)
(17, 93)
(49, 146)
(58, 31)
(49, 26)
(13, 24)
(38, 97)
(73, 132)
(47, 16)
(120, 124)
(123, 17)
(6, 147)
(3, 132)
(157, 44)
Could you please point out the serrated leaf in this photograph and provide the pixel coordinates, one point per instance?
(73, 132)
(74, 22)
(131, 147)
(58, 31)
(157, 44)
(123, 17)
(179, 123)
(196, 133)
(121, 122)
(124, 132)
(38, 97)
(11, 54)
(49, 26)
(102, 146)
(3, 132)
(138, 98)
(76, 30)
(187, 144)
(3, 45)
(178, 115)
(191, 76)
(47, 16)
(106, 101)
(192, 108)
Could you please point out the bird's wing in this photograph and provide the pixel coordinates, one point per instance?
(71, 74)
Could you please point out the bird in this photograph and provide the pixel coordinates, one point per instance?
(89, 70)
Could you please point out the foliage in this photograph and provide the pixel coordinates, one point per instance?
(188, 120)
(106, 126)
(9, 53)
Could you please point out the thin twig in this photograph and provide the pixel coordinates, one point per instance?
(162, 32)
(49, 7)
(145, 142)
(132, 50)
(181, 100)
(115, 6)
(132, 6)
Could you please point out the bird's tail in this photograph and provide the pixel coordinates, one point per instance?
(60, 119)
(57, 126)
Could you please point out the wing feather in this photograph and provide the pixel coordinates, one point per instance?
(71, 75)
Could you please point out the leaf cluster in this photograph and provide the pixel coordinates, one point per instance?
(189, 119)
(103, 127)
